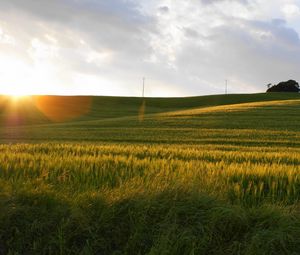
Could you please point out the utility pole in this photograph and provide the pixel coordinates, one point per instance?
(226, 86)
(143, 94)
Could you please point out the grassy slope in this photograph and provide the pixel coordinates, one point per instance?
(228, 184)
(114, 107)
(120, 120)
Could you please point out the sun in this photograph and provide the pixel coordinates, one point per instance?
(17, 93)
(17, 96)
(18, 78)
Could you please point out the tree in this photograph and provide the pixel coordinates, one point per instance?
(285, 86)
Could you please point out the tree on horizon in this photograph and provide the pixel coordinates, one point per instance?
(284, 86)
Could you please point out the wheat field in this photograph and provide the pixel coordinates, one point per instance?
(211, 175)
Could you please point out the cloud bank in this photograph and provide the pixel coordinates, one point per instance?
(181, 47)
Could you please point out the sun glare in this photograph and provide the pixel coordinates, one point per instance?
(17, 96)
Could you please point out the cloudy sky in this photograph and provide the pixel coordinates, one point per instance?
(183, 48)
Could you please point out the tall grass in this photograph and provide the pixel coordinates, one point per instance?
(236, 174)
(148, 199)
(217, 180)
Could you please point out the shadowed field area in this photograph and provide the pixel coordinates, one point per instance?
(100, 175)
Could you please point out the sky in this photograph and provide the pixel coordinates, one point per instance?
(182, 48)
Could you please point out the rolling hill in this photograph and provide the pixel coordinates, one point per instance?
(39, 109)
(162, 120)
(108, 175)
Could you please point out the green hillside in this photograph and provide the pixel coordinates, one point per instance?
(98, 108)
(111, 107)
(257, 117)
(108, 175)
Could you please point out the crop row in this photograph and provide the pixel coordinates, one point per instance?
(241, 175)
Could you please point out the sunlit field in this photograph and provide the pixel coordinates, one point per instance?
(101, 175)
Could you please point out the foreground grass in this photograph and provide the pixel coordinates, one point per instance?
(169, 222)
(149, 199)
(187, 179)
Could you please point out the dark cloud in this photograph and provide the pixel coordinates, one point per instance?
(190, 33)
(163, 9)
(115, 25)
(239, 51)
(279, 30)
(56, 10)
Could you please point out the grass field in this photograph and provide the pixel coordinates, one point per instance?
(108, 175)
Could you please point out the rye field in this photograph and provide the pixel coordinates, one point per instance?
(109, 175)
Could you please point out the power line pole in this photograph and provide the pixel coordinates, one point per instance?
(226, 86)
(143, 94)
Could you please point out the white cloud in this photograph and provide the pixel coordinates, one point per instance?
(182, 47)
(6, 38)
(291, 10)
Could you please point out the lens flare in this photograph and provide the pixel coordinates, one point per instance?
(63, 108)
